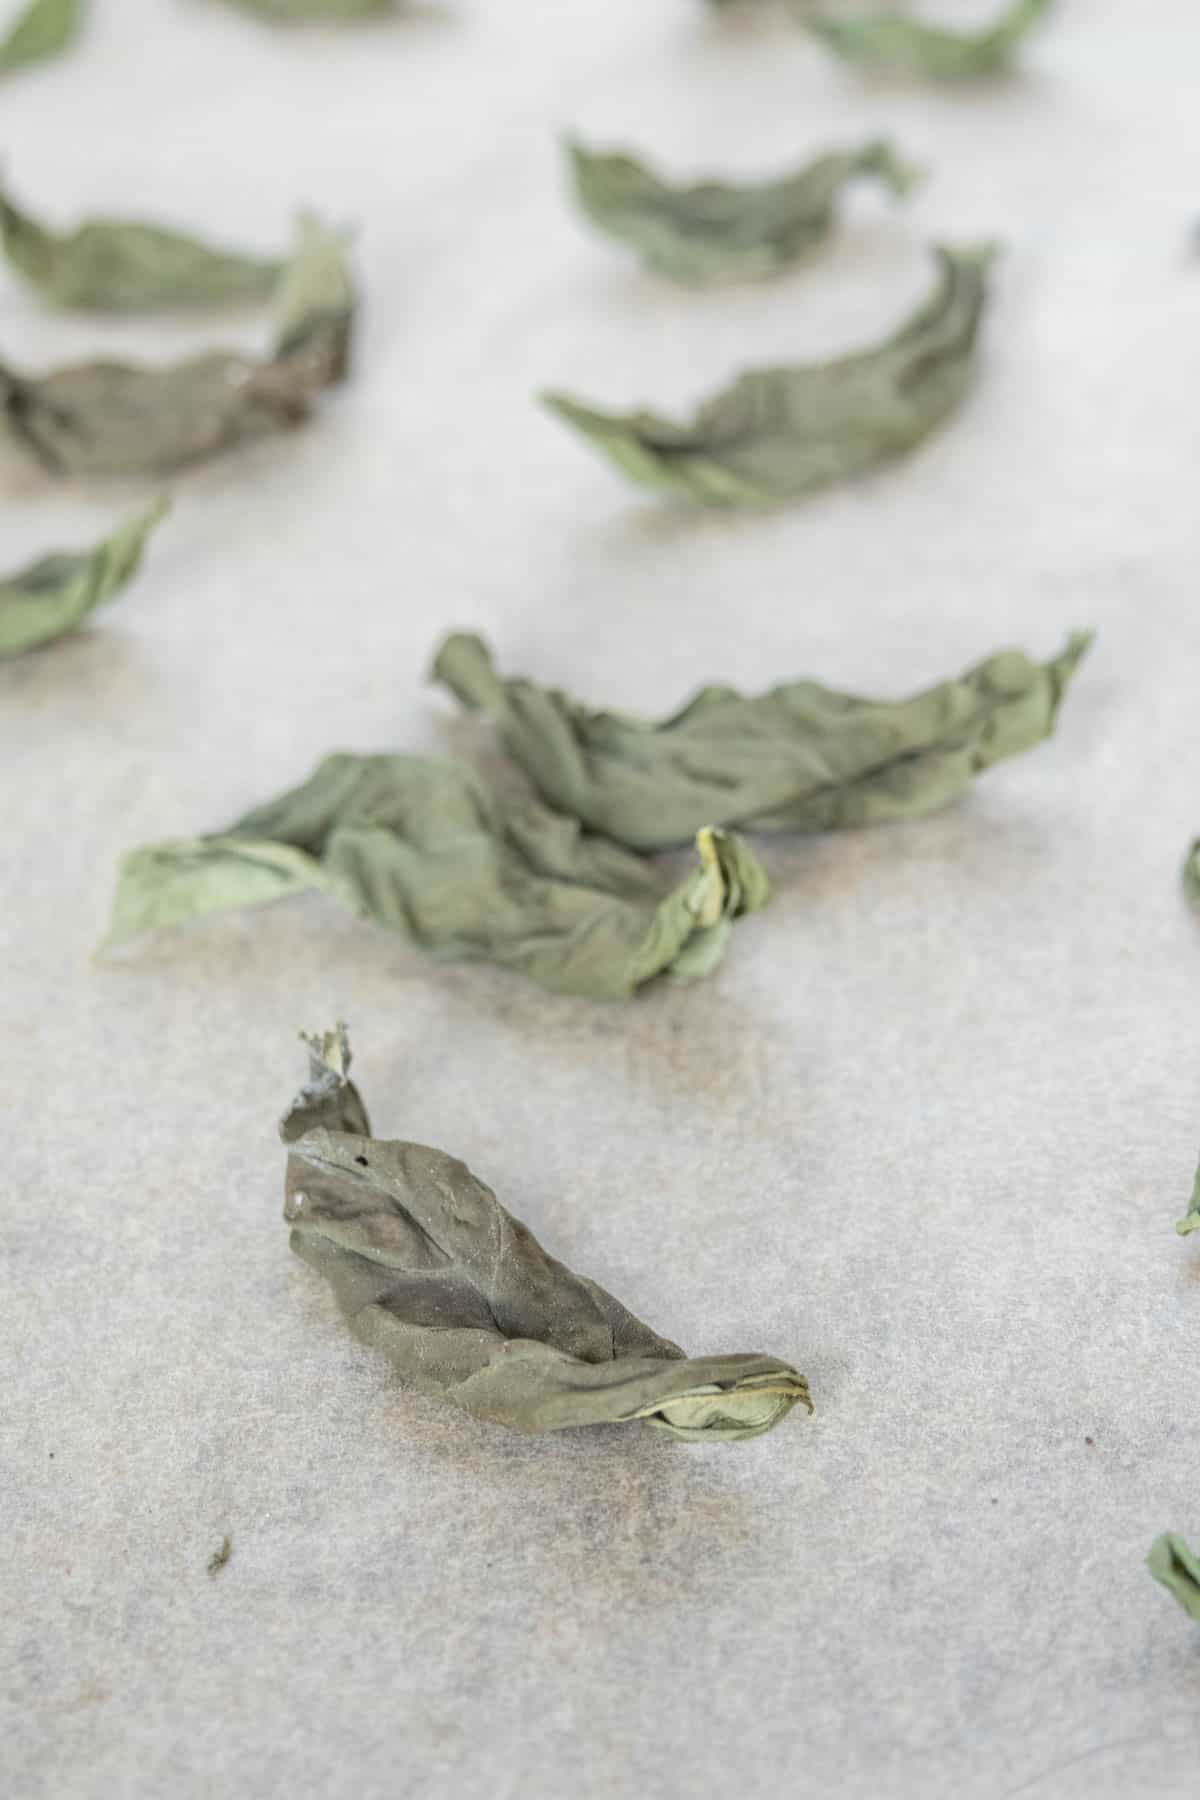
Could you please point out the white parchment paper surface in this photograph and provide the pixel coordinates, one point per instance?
(925, 1133)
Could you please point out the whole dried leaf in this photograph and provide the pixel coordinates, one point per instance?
(778, 433)
(423, 848)
(906, 46)
(1178, 1569)
(801, 757)
(56, 594)
(124, 265)
(44, 29)
(297, 12)
(109, 418)
(428, 1267)
(710, 230)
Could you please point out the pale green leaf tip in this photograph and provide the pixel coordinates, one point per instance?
(982, 255)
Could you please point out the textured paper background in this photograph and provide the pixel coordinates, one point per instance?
(925, 1134)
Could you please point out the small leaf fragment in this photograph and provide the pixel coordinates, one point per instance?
(58, 592)
(1191, 1219)
(1177, 1567)
(424, 849)
(45, 28)
(801, 757)
(1191, 874)
(126, 265)
(110, 418)
(710, 231)
(428, 1267)
(898, 45)
(779, 433)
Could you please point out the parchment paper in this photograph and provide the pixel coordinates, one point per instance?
(924, 1134)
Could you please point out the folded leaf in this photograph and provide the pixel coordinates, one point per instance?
(1178, 1569)
(122, 265)
(801, 757)
(109, 418)
(423, 848)
(56, 594)
(428, 1267)
(1191, 1219)
(779, 433)
(42, 30)
(710, 230)
(288, 12)
(885, 41)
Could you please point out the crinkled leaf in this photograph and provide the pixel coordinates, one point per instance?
(110, 418)
(430, 1268)
(1178, 1569)
(801, 757)
(124, 265)
(710, 230)
(423, 848)
(1191, 1219)
(42, 30)
(779, 433)
(907, 46)
(56, 594)
(292, 12)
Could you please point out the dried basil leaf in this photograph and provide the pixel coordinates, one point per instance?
(123, 265)
(1191, 1219)
(423, 848)
(781, 432)
(41, 31)
(428, 1267)
(56, 594)
(293, 12)
(1178, 1569)
(906, 46)
(801, 757)
(710, 230)
(110, 418)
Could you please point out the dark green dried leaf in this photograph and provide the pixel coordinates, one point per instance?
(428, 1267)
(299, 12)
(779, 433)
(423, 848)
(906, 46)
(109, 418)
(123, 265)
(1178, 1569)
(801, 757)
(709, 231)
(56, 594)
(41, 31)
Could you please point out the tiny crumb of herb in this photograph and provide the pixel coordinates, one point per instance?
(220, 1556)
